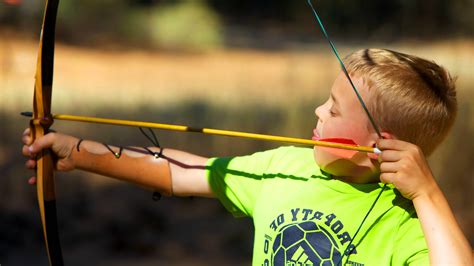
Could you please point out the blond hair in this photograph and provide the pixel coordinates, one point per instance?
(410, 97)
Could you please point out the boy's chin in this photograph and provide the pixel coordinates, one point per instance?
(354, 169)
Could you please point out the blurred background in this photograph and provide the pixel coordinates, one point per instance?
(259, 66)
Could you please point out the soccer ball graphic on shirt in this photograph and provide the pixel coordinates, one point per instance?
(305, 243)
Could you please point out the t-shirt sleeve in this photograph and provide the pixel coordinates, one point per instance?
(237, 181)
(410, 244)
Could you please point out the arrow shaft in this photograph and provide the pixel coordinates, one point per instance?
(211, 131)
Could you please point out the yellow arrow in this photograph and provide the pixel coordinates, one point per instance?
(211, 131)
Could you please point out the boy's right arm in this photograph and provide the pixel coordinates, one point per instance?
(404, 165)
(181, 173)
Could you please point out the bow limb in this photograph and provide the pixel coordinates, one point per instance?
(40, 124)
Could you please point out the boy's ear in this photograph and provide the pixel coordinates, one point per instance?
(385, 135)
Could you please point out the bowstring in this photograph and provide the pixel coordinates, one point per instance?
(349, 250)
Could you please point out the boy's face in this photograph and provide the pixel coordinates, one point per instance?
(342, 116)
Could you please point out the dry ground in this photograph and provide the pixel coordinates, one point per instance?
(86, 79)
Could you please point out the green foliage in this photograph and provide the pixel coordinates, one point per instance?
(90, 21)
(135, 27)
(177, 25)
(199, 24)
(188, 24)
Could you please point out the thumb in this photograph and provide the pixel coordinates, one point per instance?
(41, 143)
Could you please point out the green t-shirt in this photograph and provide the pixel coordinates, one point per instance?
(304, 217)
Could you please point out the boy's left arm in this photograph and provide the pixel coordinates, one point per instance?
(404, 165)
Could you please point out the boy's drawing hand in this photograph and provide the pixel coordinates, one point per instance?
(61, 145)
(404, 165)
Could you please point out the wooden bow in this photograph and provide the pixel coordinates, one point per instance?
(40, 124)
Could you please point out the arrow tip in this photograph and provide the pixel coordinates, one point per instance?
(27, 114)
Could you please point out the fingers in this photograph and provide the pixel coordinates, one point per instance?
(26, 151)
(30, 164)
(393, 144)
(32, 180)
(389, 167)
(390, 156)
(396, 150)
(41, 143)
(30, 149)
(26, 137)
(392, 153)
(387, 178)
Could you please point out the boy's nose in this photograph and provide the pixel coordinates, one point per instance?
(317, 112)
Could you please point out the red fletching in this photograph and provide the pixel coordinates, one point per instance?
(340, 140)
(346, 154)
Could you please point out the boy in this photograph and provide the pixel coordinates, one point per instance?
(334, 210)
